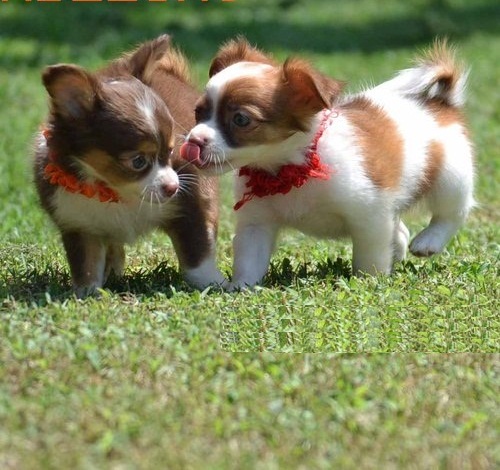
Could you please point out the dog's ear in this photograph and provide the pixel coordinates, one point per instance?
(237, 50)
(141, 62)
(72, 90)
(308, 90)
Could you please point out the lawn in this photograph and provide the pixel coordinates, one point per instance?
(156, 375)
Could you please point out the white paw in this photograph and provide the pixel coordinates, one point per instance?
(237, 286)
(427, 243)
(206, 274)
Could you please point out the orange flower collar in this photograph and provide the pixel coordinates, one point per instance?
(55, 175)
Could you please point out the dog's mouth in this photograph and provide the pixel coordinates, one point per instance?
(204, 157)
(191, 152)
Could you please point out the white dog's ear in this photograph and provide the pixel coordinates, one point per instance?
(73, 90)
(309, 91)
(237, 50)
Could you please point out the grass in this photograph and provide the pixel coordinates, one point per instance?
(153, 375)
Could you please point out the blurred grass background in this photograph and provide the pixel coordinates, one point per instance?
(147, 377)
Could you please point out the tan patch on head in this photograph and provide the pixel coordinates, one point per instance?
(237, 50)
(118, 170)
(280, 101)
(259, 99)
(148, 147)
(105, 167)
(380, 142)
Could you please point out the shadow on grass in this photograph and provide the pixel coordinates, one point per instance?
(38, 287)
(108, 29)
(285, 273)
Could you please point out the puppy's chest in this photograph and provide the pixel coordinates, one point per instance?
(309, 211)
(117, 221)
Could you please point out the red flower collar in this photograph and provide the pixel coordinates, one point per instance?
(261, 183)
(54, 174)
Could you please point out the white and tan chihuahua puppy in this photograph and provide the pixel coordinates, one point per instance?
(331, 165)
(107, 167)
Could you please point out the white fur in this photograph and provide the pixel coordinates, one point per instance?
(349, 203)
(205, 274)
(415, 83)
(146, 104)
(207, 131)
(237, 70)
(120, 221)
(142, 207)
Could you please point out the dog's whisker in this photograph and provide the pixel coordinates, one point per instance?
(181, 126)
(182, 167)
(141, 204)
(151, 202)
(188, 176)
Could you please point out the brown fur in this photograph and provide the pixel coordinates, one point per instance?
(280, 102)
(271, 119)
(445, 115)
(147, 58)
(308, 90)
(381, 144)
(434, 163)
(98, 124)
(449, 71)
(237, 50)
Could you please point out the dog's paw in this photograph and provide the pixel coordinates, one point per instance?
(237, 286)
(427, 243)
(205, 275)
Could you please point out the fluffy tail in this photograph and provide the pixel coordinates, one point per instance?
(436, 76)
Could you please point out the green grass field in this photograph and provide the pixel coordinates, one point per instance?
(156, 375)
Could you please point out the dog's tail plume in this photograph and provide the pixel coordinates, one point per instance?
(436, 76)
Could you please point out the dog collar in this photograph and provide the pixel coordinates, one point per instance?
(56, 175)
(261, 183)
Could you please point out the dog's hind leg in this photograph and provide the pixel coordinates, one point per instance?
(450, 201)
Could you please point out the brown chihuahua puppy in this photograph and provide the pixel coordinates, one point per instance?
(107, 169)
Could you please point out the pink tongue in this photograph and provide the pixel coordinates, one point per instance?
(190, 152)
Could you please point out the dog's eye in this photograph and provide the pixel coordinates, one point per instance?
(241, 120)
(201, 113)
(139, 162)
(198, 113)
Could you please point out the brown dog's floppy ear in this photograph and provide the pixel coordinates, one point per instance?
(72, 90)
(140, 63)
(309, 90)
(237, 50)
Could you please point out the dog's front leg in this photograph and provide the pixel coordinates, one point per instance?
(87, 260)
(194, 238)
(253, 246)
(373, 246)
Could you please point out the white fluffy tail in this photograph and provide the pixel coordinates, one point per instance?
(437, 76)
